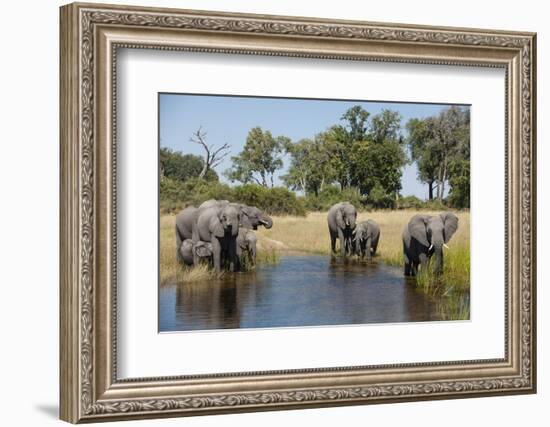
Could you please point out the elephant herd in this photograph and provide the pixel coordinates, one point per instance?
(219, 233)
(423, 237)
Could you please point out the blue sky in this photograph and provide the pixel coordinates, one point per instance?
(229, 118)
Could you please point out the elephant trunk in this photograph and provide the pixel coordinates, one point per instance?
(266, 221)
(438, 255)
(234, 228)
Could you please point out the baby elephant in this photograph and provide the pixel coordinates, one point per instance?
(203, 250)
(246, 247)
(367, 234)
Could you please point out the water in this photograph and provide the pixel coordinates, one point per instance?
(299, 291)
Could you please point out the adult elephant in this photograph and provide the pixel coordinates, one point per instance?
(219, 226)
(341, 220)
(367, 235)
(251, 216)
(210, 203)
(424, 237)
(246, 247)
(184, 227)
(189, 250)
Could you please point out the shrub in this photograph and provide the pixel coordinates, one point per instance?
(379, 199)
(274, 201)
(331, 195)
(176, 195)
(410, 202)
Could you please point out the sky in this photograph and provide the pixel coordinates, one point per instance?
(227, 119)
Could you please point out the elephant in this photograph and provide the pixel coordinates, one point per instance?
(425, 236)
(251, 216)
(188, 249)
(341, 224)
(367, 235)
(246, 247)
(213, 203)
(184, 227)
(220, 227)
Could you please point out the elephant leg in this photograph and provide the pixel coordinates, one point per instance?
(232, 256)
(342, 243)
(178, 246)
(332, 243)
(239, 259)
(216, 254)
(366, 249)
(408, 266)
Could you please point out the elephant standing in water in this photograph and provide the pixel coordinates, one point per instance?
(219, 226)
(341, 224)
(423, 237)
(367, 235)
(246, 247)
(188, 250)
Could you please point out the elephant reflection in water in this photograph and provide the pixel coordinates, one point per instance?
(214, 304)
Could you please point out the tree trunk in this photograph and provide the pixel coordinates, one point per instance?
(443, 180)
(430, 190)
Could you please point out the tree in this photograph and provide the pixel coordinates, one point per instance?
(377, 165)
(181, 167)
(440, 145)
(212, 156)
(259, 159)
(311, 165)
(423, 150)
(358, 147)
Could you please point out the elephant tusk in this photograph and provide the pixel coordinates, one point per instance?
(446, 246)
(430, 248)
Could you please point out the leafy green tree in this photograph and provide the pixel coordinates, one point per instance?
(386, 127)
(181, 167)
(377, 165)
(311, 165)
(459, 180)
(441, 145)
(368, 150)
(423, 150)
(260, 158)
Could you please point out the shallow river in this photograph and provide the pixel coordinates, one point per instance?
(299, 291)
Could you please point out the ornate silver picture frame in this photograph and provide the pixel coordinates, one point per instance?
(91, 34)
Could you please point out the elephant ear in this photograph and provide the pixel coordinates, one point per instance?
(215, 226)
(418, 230)
(450, 224)
(340, 218)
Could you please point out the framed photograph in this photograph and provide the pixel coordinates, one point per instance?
(267, 212)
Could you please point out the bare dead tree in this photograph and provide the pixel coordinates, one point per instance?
(213, 156)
